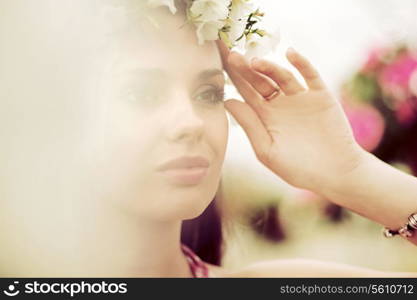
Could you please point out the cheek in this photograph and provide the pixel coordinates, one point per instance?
(122, 159)
(217, 131)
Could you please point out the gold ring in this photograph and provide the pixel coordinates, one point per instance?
(274, 93)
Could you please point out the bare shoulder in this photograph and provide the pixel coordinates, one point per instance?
(303, 268)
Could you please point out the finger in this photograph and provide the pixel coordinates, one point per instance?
(253, 127)
(243, 87)
(249, 94)
(306, 69)
(284, 78)
(224, 52)
(262, 84)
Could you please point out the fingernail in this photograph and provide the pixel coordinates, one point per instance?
(291, 50)
(254, 60)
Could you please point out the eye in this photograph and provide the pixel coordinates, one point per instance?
(210, 94)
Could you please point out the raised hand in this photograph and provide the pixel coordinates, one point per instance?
(299, 132)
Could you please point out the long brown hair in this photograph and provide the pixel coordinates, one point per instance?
(204, 234)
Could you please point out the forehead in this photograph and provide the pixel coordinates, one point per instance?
(166, 41)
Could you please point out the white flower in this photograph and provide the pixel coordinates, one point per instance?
(241, 9)
(228, 20)
(258, 46)
(236, 29)
(169, 3)
(231, 31)
(209, 16)
(209, 10)
(208, 31)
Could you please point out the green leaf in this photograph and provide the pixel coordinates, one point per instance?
(364, 87)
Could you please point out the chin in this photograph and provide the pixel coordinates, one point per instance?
(193, 213)
(185, 206)
(192, 209)
(169, 203)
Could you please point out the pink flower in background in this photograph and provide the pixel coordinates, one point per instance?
(394, 78)
(406, 111)
(385, 87)
(373, 60)
(367, 124)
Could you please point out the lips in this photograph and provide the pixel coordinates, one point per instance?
(185, 162)
(186, 170)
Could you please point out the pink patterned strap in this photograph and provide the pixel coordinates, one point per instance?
(197, 266)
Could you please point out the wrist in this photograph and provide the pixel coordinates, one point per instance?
(346, 181)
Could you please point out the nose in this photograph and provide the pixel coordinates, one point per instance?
(185, 124)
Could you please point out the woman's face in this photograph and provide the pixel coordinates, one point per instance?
(162, 100)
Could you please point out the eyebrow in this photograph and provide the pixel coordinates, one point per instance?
(206, 74)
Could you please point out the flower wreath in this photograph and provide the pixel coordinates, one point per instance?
(232, 21)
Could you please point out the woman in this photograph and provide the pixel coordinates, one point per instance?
(151, 142)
